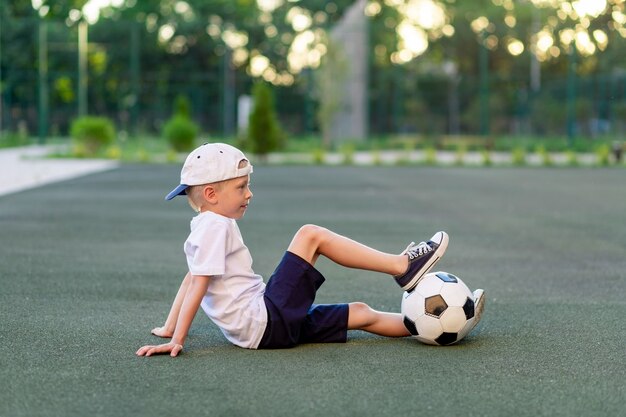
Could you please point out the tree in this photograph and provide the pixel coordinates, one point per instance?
(264, 132)
(186, 47)
(180, 130)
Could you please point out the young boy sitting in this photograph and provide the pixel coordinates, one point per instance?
(216, 178)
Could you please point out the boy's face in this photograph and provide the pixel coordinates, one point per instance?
(233, 197)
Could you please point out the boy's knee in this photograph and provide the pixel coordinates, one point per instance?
(311, 233)
(307, 241)
(360, 309)
(360, 315)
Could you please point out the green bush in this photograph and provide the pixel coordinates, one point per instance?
(571, 158)
(460, 153)
(171, 156)
(603, 153)
(430, 156)
(544, 155)
(518, 156)
(376, 157)
(8, 140)
(319, 155)
(92, 134)
(113, 152)
(182, 106)
(180, 133)
(264, 132)
(347, 151)
(486, 158)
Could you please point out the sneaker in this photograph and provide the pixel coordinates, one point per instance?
(479, 306)
(422, 257)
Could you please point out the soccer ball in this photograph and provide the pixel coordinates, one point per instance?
(439, 310)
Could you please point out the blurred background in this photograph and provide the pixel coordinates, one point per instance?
(372, 73)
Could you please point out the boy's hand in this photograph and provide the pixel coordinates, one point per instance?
(162, 332)
(195, 291)
(172, 348)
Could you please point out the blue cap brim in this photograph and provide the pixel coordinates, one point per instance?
(180, 190)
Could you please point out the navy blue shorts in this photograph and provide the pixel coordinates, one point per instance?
(292, 318)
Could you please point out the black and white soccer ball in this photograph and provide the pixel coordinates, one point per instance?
(439, 310)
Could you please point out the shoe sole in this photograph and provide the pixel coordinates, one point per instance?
(479, 299)
(439, 252)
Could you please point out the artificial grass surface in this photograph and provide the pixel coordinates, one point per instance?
(89, 266)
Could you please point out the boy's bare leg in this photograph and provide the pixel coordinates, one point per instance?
(311, 241)
(362, 317)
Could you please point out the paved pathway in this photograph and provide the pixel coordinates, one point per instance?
(28, 167)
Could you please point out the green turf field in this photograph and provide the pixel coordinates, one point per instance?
(89, 266)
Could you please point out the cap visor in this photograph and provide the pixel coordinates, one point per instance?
(180, 190)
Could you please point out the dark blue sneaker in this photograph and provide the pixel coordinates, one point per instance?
(422, 257)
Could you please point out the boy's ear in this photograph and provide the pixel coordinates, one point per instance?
(210, 194)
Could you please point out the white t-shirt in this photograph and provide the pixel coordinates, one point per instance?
(234, 297)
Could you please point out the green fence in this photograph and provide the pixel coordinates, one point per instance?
(63, 71)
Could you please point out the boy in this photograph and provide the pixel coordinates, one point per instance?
(216, 179)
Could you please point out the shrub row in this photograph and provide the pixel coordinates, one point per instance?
(92, 135)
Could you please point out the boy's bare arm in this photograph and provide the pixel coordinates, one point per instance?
(193, 297)
(170, 323)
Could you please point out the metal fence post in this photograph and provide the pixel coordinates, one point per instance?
(1, 88)
(82, 67)
(42, 110)
(309, 112)
(134, 76)
(228, 96)
(484, 85)
(571, 96)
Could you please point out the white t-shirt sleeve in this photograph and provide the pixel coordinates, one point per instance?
(206, 250)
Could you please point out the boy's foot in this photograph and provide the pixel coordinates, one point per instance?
(422, 257)
(479, 306)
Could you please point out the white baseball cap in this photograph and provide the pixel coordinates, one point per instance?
(209, 163)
